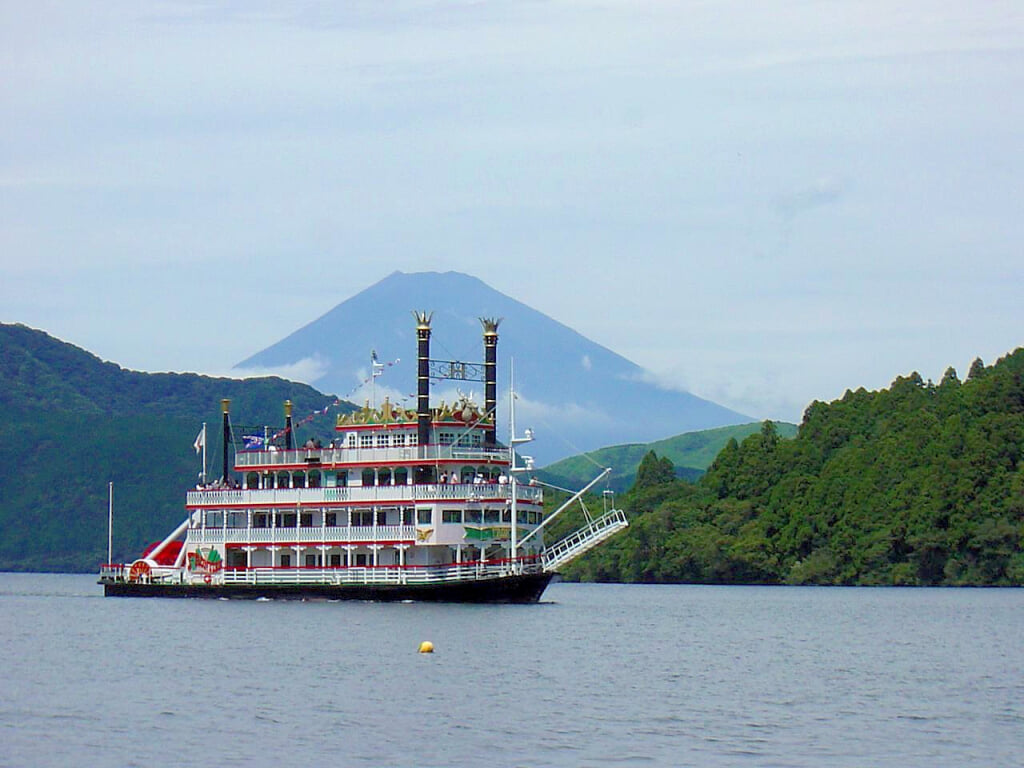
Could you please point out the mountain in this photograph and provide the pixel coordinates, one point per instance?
(690, 453)
(578, 395)
(72, 423)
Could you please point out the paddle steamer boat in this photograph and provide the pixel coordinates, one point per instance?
(402, 505)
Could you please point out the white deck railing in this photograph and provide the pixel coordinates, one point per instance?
(304, 535)
(382, 574)
(339, 456)
(375, 494)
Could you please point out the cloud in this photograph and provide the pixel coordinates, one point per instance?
(307, 370)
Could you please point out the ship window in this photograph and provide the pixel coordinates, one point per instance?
(398, 439)
(312, 561)
(368, 477)
(214, 519)
(361, 560)
(467, 474)
(414, 439)
(351, 439)
(238, 520)
(446, 438)
(490, 516)
(342, 479)
(476, 440)
(362, 517)
(451, 516)
(282, 480)
(335, 561)
(252, 480)
(286, 561)
(288, 520)
(383, 477)
(332, 519)
(521, 517)
(407, 516)
(299, 480)
(314, 478)
(474, 516)
(382, 517)
(506, 516)
(259, 520)
(382, 440)
(424, 516)
(401, 476)
(366, 441)
(307, 520)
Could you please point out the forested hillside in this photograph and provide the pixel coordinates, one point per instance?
(72, 423)
(690, 453)
(921, 483)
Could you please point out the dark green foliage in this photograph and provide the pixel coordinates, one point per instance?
(654, 471)
(73, 423)
(917, 484)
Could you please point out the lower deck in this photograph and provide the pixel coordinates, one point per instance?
(478, 583)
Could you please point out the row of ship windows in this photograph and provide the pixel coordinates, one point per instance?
(366, 518)
(314, 478)
(409, 439)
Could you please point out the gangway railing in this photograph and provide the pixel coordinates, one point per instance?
(586, 538)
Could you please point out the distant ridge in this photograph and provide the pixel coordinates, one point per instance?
(578, 395)
(691, 453)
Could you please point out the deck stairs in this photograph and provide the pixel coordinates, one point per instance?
(586, 538)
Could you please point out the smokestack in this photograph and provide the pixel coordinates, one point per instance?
(490, 325)
(288, 443)
(225, 406)
(423, 376)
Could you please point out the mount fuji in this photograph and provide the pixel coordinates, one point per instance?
(576, 394)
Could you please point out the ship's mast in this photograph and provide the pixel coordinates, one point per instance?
(513, 468)
(110, 522)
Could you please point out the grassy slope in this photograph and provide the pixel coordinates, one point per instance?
(691, 453)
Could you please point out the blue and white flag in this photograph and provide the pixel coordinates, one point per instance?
(252, 442)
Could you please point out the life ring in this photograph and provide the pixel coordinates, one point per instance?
(207, 578)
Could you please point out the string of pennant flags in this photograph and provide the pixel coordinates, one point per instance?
(376, 370)
(255, 442)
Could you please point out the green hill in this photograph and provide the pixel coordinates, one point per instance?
(72, 423)
(691, 453)
(921, 483)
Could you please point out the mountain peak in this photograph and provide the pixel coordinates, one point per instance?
(565, 383)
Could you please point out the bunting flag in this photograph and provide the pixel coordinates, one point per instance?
(377, 369)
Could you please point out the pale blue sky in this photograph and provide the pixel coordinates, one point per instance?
(763, 203)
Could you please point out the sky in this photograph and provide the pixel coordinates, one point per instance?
(764, 204)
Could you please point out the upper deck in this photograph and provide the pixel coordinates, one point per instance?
(363, 455)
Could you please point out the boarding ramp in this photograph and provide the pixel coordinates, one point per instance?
(586, 538)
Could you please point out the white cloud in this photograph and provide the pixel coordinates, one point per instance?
(306, 371)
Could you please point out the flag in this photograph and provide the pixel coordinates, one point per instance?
(252, 442)
(200, 442)
(378, 368)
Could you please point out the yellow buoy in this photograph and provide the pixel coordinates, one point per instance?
(426, 647)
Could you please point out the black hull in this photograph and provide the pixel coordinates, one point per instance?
(527, 588)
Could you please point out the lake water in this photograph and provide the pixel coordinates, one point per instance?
(597, 675)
